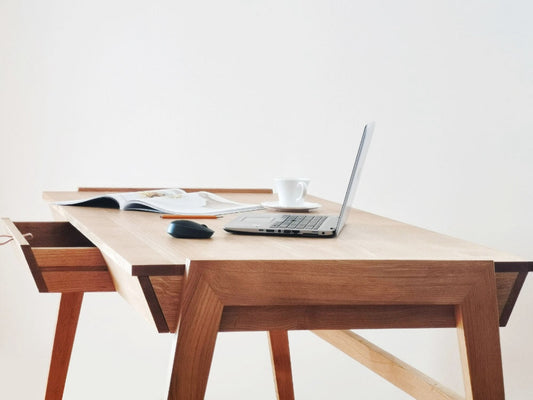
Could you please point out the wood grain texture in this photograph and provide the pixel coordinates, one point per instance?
(67, 322)
(340, 282)
(365, 236)
(26, 253)
(61, 259)
(78, 281)
(73, 269)
(53, 234)
(468, 286)
(263, 318)
(394, 370)
(36, 272)
(75, 258)
(197, 336)
(168, 290)
(508, 288)
(153, 304)
(479, 340)
(281, 364)
(122, 250)
(138, 243)
(375, 262)
(505, 286)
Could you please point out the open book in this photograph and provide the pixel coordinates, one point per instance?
(168, 201)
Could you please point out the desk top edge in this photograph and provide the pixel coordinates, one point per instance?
(366, 237)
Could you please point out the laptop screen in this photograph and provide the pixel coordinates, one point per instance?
(356, 173)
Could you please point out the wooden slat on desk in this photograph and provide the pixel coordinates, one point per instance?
(78, 281)
(213, 190)
(73, 269)
(69, 257)
(288, 318)
(397, 372)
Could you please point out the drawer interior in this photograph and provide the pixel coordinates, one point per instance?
(60, 258)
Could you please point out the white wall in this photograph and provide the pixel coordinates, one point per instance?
(214, 93)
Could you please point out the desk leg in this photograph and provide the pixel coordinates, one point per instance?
(197, 335)
(67, 322)
(479, 342)
(281, 364)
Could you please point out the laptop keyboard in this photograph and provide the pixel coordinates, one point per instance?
(299, 222)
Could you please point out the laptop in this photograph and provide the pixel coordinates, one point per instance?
(307, 225)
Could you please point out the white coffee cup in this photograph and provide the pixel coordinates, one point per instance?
(291, 191)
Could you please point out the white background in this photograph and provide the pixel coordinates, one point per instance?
(235, 93)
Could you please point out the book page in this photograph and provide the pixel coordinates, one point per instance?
(168, 201)
(120, 200)
(195, 203)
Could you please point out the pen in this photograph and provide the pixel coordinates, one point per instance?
(179, 216)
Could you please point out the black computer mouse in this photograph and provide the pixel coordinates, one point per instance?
(183, 228)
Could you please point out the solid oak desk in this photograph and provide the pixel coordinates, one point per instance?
(378, 273)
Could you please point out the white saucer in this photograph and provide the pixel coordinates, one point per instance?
(304, 207)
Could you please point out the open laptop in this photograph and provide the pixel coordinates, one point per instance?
(308, 225)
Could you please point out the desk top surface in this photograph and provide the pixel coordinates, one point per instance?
(140, 242)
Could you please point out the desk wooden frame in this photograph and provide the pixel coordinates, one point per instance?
(327, 296)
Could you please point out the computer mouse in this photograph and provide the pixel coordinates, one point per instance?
(183, 228)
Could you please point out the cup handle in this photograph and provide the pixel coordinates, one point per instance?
(303, 188)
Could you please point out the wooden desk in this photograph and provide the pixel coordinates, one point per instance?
(378, 274)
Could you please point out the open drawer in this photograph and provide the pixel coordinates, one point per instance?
(60, 258)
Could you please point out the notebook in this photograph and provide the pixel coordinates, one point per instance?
(307, 225)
